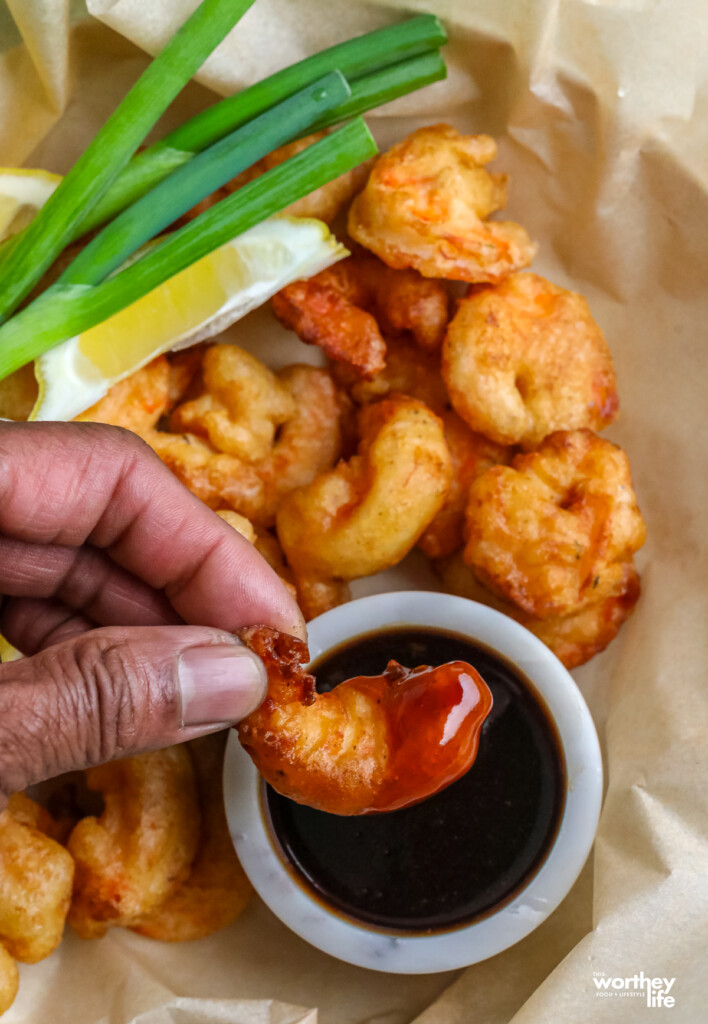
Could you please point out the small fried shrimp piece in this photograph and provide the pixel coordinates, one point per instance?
(137, 402)
(408, 371)
(324, 203)
(345, 308)
(574, 639)
(308, 443)
(553, 531)
(366, 514)
(316, 596)
(525, 359)
(215, 478)
(239, 523)
(36, 875)
(141, 849)
(217, 889)
(374, 743)
(242, 406)
(9, 980)
(471, 455)
(185, 368)
(425, 203)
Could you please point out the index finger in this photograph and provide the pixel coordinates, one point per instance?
(87, 483)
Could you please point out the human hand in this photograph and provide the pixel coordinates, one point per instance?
(96, 532)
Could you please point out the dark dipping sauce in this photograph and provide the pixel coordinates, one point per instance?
(465, 851)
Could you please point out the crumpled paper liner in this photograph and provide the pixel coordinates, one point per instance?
(601, 107)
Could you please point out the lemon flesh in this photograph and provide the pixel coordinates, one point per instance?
(192, 306)
(22, 192)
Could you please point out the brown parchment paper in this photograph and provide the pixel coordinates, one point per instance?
(601, 107)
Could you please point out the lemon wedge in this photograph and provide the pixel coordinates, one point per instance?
(192, 306)
(7, 651)
(22, 192)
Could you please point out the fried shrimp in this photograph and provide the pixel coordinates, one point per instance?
(217, 889)
(345, 308)
(216, 479)
(525, 359)
(408, 371)
(241, 408)
(367, 513)
(137, 402)
(574, 639)
(471, 455)
(553, 532)
(9, 980)
(36, 876)
(425, 206)
(374, 743)
(239, 523)
(309, 442)
(140, 850)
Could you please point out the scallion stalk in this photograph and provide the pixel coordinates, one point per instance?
(105, 157)
(63, 312)
(357, 59)
(203, 175)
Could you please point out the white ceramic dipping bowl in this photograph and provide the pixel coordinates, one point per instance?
(401, 952)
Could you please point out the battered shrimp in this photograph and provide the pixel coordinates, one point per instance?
(374, 743)
(216, 479)
(217, 890)
(408, 371)
(526, 358)
(308, 443)
(425, 206)
(471, 455)
(574, 639)
(239, 523)
(366, 514)
(345, 308)
(324, 203)
(241, 408)
(553, 532)
(139, 852)
(9, 980)
(36, 875)
(137, 402)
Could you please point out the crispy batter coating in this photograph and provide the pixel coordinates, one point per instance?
(374, 743)
(36, 875)
(18, 393)
(141, 849)
(471, 455)
(324, 203)
(137, 402)
(309, 442)
(525, 359)
(216, 479)
(241, 408)
(553, 531)
(345, 308)
(239, 523)
(574, 639)
(316, 596)
(367, 513)
(408, 371)
(425, 206)
(9, 980)
(217, 889)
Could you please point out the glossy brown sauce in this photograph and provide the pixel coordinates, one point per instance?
(461, 853)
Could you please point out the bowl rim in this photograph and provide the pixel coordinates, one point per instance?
(362, 944)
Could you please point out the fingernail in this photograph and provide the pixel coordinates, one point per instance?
(220, 684)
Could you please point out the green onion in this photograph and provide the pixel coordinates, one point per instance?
(358, 58)
(61, 313)
(105, 157)
(202, 176)
(388, 84)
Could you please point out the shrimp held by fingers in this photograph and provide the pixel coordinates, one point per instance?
(425, 206)
(553, 531)
(525, 359)
(374, 743)
(345, 308)
(366, 514)
(141, 849)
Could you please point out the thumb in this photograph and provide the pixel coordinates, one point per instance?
(117, 691)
